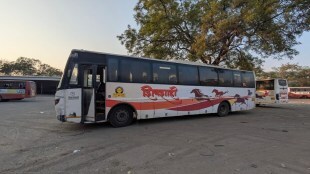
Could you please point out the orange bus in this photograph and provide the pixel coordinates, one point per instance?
(16, 89)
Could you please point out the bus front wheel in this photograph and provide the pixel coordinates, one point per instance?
(223, 109)
(121, 116)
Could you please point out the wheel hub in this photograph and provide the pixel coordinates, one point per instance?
(122, 116)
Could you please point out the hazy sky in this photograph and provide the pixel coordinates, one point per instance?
(49, 29)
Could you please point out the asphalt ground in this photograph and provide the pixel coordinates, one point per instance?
(268, 139)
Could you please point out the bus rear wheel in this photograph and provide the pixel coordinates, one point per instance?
(223, 109)
(121, 116)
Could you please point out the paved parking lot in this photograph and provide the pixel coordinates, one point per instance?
(273, 139)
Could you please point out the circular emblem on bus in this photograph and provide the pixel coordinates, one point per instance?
(119, 92)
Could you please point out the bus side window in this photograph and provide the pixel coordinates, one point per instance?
(188, 75)
(135, 71)
(237, 79)
(88, 78)
(112, 70)
(248, 80)
(164, 73)
(155, 77)
(208, 76)
(225, 77)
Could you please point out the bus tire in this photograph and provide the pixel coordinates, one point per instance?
(121, 116)
(223, 109)
(0, 98)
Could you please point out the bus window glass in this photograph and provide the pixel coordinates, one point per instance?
(188, 75)
(74, 74)
(225, 78)
(135, 71)
(208, 76)
(112, 70)
(248, 80)
(164, 73)
(237, 79)
(88, 78)
(21, 85)
(265, 85)
(282, 82)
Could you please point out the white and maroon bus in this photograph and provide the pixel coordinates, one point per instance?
(99, 87)
(16, 89)
(271, 91)
(299, 92)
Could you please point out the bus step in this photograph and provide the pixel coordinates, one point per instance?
(100, 101)
(100, 116)
(100, 108)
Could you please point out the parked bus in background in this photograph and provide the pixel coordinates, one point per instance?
(99, 87)
(271, 91)
(16, 90)
(299, 92)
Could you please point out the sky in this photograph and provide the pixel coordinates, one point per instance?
(49, 30)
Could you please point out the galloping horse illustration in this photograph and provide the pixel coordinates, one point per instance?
(219, 93)
(240, 100)
(199, 94)
(237, 96)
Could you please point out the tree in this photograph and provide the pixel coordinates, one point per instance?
(27, 66)
(244, 61)
(288, 71)
(213, 30)
(295, 74)
(304, 77)
(47, 70)
(6, 67)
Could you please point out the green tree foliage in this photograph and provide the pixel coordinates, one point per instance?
(27, 66)
(244, 61)
(217, 32)
(47, 70)
(6, 67)
(295, 74)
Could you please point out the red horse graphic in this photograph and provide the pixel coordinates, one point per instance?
(219, 93)
(240, 100)
(200, 95)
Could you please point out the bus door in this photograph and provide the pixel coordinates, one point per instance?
(100, 90)
(88, 79)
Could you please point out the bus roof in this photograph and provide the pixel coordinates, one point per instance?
(145, 58)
